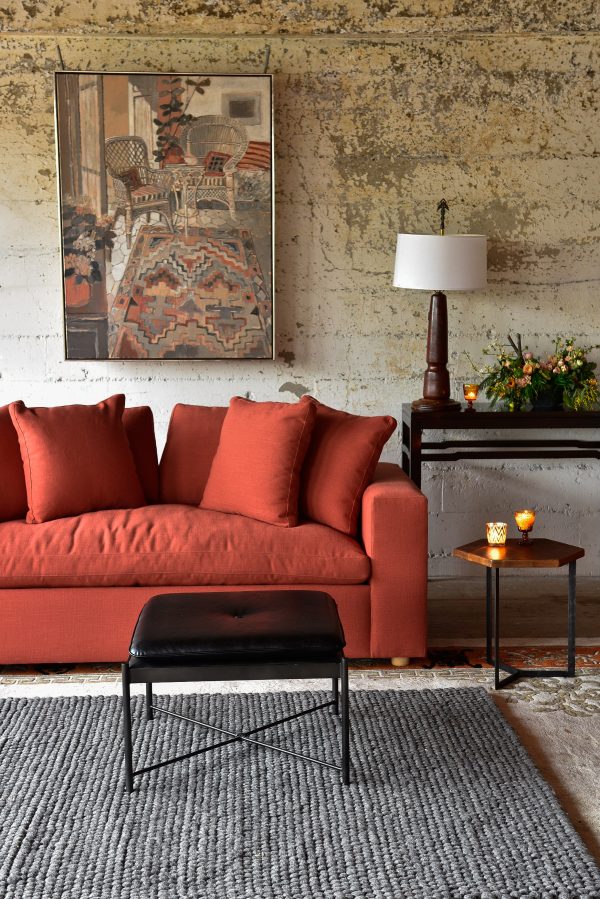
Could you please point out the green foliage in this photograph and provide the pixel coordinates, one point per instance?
(174, 116)
(517, 377)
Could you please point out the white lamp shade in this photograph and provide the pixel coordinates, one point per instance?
(441, 262)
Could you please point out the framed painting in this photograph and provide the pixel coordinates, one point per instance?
(166, 204)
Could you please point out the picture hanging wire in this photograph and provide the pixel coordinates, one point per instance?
(60, 58)
(267, 58)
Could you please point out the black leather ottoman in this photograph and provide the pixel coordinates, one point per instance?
(250, 635)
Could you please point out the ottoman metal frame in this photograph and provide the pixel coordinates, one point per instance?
(136, 671)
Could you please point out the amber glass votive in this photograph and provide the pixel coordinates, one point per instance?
(496, 532)
(470, 392)
(525, 519)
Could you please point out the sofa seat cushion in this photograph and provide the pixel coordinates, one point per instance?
(174, 544)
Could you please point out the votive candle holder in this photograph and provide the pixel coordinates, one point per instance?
(525, 519)
(470, 392)
(496, 532)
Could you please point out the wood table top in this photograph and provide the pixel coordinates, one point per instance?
(538, 553)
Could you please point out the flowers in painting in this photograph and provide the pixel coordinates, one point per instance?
(83, 235)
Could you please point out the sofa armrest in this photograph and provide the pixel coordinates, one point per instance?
(394, 534)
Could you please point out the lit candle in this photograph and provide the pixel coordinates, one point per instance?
(470, 392)
(525, 519)
(496, 532)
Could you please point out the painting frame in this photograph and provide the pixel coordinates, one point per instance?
(229, 287)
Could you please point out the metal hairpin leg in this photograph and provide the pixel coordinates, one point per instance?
(493, 624)
(335, 689)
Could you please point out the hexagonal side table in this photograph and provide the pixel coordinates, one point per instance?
(538, 553)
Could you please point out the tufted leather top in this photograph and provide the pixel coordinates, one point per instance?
(222, 627)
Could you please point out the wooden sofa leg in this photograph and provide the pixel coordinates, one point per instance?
(400, 661)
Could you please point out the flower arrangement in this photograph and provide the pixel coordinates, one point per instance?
(574, 374)
(517, 377)
(83, 235)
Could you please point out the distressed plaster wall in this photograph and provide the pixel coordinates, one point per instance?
(381, 107)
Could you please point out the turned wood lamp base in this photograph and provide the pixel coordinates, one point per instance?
(436, 382)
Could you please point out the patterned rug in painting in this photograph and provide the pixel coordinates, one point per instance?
(203, 296)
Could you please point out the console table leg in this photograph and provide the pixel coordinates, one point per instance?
(572, 624)
(405, 448)
(415, 455)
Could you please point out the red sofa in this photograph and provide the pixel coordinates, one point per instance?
(71, 589)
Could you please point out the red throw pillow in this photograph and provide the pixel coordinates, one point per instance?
(139, 427)
(131, 178)
(13, 495)
(340, 464)
(256, 470)
(76, 459)
(192, 441)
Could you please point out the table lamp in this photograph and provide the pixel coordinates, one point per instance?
(439, 262)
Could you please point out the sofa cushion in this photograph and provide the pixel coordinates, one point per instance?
(339, 466)
(139, 427)
(76, 459)
(192, 441)
(175, 544)
(256, 469)
(13, 495)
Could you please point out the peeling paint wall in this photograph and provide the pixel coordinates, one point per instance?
(381, 107)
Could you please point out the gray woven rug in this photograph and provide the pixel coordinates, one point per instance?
(445, 804)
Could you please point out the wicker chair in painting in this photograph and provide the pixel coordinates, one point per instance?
(139, 189)
(217, 143)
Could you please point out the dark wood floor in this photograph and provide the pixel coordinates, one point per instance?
(533, 608)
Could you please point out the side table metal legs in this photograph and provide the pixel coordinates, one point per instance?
(492, 615)
(572, 619)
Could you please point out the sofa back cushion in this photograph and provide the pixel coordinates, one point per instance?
(256, 469)
(192, 441)
(13, 495)
(76, 459)
(340, 464)
(139, 428)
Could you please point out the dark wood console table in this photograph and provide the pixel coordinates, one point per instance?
(449, 448)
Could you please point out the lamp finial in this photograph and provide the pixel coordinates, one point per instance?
(442, 208)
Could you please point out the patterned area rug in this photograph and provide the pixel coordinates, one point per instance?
(198, 297)
(439, 660)
(445, 804)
